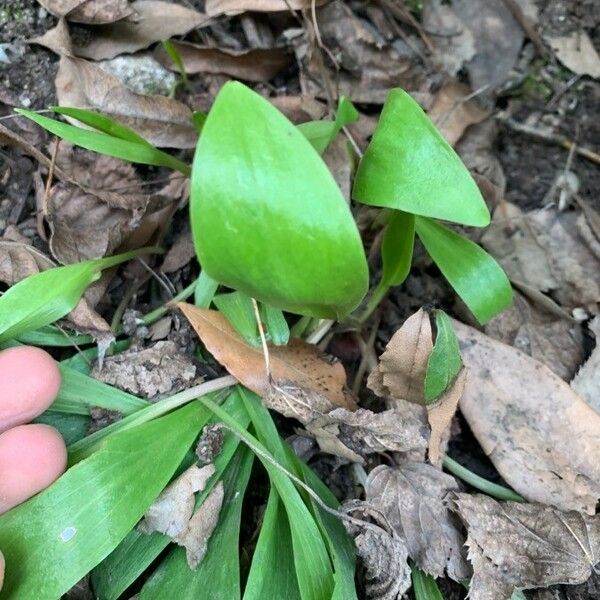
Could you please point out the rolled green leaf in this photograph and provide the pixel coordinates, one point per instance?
(267, 216)
(397, 248)
(409, 166)
(475, 276)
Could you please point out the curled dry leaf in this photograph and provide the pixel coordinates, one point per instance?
(587, 381)
(515, 545)
(400, 374)
(180, 253)
(232, 7)
(160, 369)
(452, 112)
(258, 64)
(541, 436)
(576, 51)
(411, 496)
(153, 21)
(57, 39)
(162, 121)
(92, 12)
(298, 362)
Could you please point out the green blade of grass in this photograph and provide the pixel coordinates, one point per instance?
(53, 336)
(103, 143)
(424, 585)
(48, 296)
(475, 276)
(218, 575)
(444, 362)
(80, 519)
(137, 551)
(238, 310)
(72, 427)
(277, 328)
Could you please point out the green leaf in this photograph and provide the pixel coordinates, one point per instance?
(444, 362)
(475, 276)
(218, 575)
(135, 150)
(205, 290)
(51, 541)
(424, 585)
(174, 55)
(321, 133)
(239, 311)
(78, 393)
(409, 166)
(48, 296)
(53, 336)
(277, 328)
(267, 216)
(72, 427)
(137, 551)
(397, 248)
(198, 119)
(272, 572)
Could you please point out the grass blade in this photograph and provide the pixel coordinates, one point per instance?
(424, 585)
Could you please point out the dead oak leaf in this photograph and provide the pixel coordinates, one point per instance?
(298, 363)
(164, 122)
(257, 64)
(411, 496)
(91, 12)
(541, 436)
(517, 545)
(231, 7)
(400, 374)
(587, 381)
(153, 21)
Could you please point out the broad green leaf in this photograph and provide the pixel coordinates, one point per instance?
(321, 133)
(218, 575)
(78, 393)
(239, 311)
(311, 560)
(409, 166)
(277, 328)
(424, 585)
(51, 541)
(397, 248)
(267, 216)
(137, 551)
(475, 276)
(72, 427)
(103, 143)
(205, 290)
(53, 336)
(444, 362)
(272, 573)
(198, 119)
(48, 296)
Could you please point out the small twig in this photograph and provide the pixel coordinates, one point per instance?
(44, 208)
(324, 326)
(458, 103)
(263, 340)
(366, 350)
(166, 285)
(528, 28)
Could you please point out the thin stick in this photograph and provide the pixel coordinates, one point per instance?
(44, 207)
(263, 340)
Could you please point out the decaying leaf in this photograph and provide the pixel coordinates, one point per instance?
(576, 51)
(162, 121)
(516, 545)
(440, 417)
(452, 113)
(257, 64)
(180, 253)
(160, 369)
(587, 381)
(57, 39)
(93, 12)
(171, 512)
(400, 374)
(153, 21)
(411, 496)
(297, 362)
(231, 7)
(541, 436)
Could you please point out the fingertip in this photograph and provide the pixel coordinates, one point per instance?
(1, 569)
(29, 383)
(31, 458)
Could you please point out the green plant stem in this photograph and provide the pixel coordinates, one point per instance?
(157, 313)
(487, 487)
(381, 289)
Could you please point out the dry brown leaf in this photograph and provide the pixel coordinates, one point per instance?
(368, 66)
(299, 109)
(542, 332)
(258, 64)
(232, 7)
(411, 496)
(159, 369)
(542, 438)
(452, 113)
(172, 510)
(440, 417)
(162, 121)
(400, 374)
(587, 381)
(516, 545)
(180, 253)
(352, 435)
(92, 12)
(298, 363)
(57, 39)
(576, 51)
(153, 21)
